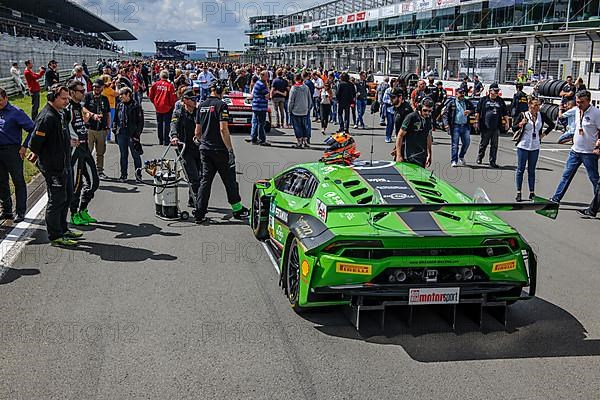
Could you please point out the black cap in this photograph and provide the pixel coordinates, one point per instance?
(494, 87)
(189, 94)
(460, 90)
(99, 83)
(439, 83)
(396, 92)
(52, 62)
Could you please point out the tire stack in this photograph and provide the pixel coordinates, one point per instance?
(551, 87)
(410, 79)
(550, 110)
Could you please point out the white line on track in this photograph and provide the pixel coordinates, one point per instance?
(271, 258)
(11, 246)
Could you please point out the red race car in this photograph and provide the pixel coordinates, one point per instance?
(240, 110)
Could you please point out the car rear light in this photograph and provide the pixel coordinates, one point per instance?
(513, 243)
(335, 246)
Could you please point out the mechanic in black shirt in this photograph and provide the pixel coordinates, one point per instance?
(183, 126)
(567, 92)
(519, 102)
(414, 140)
(438, 95)
(51, 148)
(477, 86)
(85, 174)
(491, 116)
(216, 153)
(429, 89)
(401, 108)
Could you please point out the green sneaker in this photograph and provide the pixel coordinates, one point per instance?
(85, 215)
(77, 219)
(63, 241)
(73, 234)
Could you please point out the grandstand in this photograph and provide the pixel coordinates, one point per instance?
(49, 26)
(167, 50)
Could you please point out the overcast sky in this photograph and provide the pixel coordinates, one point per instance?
(188, 20)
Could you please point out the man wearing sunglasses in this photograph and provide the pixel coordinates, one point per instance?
(85, 174)
(491, 117)
(414, 138)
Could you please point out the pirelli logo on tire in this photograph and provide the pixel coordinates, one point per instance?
(504, 266)
(358, 269)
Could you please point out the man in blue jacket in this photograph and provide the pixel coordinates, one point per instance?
(260, 105)
(12, 151)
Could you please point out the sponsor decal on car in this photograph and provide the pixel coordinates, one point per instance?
(427, 296)
(281, 215)
(504, 266)
(321, 210)
(398, 196)
(358, 269)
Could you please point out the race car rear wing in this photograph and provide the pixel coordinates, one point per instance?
(539, 205)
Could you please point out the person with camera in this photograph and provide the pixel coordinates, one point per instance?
(50, 149)
(216, 152)
(52, 76)
(13, 121)
(34, 87)
(491, 117)
(127, 127)
(528, 136)
(414, 141)
(183, 126)
(85, 175)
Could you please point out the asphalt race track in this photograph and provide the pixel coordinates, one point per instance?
(150, 309)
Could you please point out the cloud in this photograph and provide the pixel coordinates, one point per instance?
(188, 20)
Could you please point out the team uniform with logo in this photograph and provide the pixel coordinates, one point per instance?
(215, 155)
(85, 174)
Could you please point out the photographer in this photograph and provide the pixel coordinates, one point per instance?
(34, 87)
(51, 148)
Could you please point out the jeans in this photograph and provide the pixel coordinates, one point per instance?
(112, 118)
(344, 117)
(529, 157)
(204, 93)
(308, 126)
(489, 137)
(316, 107)
(389, 126)
(299, 125)
(213, 162)
(460, 133)
(287, 113)
(257, 132)
(589, 161)
(163, 121)
(361, 106)
(11, 164)
(595, 204)
(60, 192)
(325, 113)
(565, 137)
(35, 105)
(125, 146)
(279, 105)
(334, 108)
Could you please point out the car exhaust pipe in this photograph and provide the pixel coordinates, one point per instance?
(400, 276)
(466, 273)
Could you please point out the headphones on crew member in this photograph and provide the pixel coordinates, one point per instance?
(217, 86)
(54, 90)
(427, 102)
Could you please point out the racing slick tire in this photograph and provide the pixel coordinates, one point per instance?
(292, 274)
(259, 216)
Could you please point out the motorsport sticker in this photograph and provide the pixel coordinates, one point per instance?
(433, 296)
(321, 210)
(504, 266)
(358, 269)
(281, 215)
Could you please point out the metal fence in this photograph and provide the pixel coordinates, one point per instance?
(19, 49)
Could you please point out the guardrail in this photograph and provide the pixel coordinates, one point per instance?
(12, 89)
